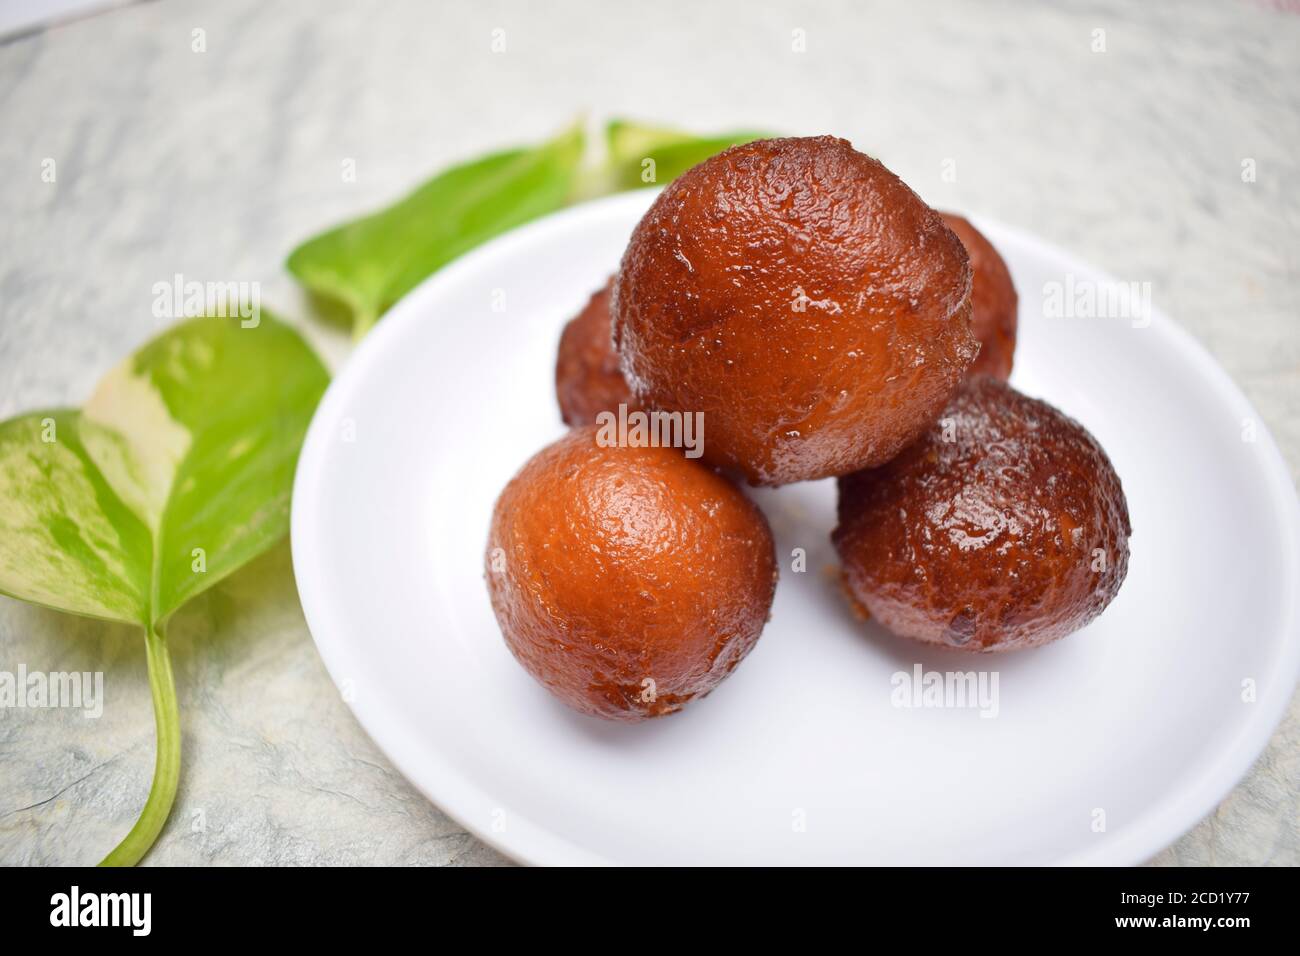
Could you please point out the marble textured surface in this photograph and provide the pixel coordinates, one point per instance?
(214, 163)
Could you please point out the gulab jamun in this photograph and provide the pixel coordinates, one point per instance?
(803, 298)
(627, 580)
(993, 301)
(587, 377)
(1003, 527)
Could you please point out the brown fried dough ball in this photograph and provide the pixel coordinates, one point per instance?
(993, 301)
(804, 299)
(587, 377)
(627, 580)
(1004, 527)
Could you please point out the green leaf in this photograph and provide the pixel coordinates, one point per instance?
(629, 146)
(364, 266)
(67, 541)
(368, 264)
(175, 472)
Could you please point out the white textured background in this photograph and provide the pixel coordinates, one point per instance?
(215, 164)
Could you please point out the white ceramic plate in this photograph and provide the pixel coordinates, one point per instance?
(1105, 747)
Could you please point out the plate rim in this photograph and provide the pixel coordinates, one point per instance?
(1154, 829)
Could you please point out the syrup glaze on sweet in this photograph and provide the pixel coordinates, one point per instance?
(994, 302)
(1004, 527)
(612, 566)
(803, 298)
(587, 377)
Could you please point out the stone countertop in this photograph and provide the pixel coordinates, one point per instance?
(213, 163)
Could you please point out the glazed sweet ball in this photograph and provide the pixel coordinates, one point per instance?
(587, 376)
(805, 300)
(627, 580)
(993, 301)
(1004, 527)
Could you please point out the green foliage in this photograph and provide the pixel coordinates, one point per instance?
(176, 472)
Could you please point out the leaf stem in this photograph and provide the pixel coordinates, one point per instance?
(167, 766)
